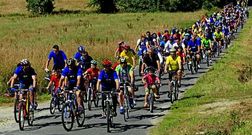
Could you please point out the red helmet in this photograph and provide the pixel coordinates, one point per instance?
(106, 63)
(126, 47)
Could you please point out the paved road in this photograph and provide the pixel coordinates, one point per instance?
(140, 121)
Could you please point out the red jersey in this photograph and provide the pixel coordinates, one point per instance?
(150, 79)
(182, 55)
(55, 81)
(93, 73)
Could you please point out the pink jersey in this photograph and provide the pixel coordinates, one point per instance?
(150, 79)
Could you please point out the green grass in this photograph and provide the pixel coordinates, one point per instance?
(26, 36)
(221, 100)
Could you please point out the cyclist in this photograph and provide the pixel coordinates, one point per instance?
(194, 49)
(59, 58)
(129, 55)
(150, 80)
(151, 60)
(54, 80)
(71, 79)
(125, 73)
(174, 66)
(92, 74)
(119, 49)
(207, 46)
(85, 61)
(26, 77)
(81, 51)
(218, 37)
(108, 81)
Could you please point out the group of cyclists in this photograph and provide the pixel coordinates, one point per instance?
(157, 53)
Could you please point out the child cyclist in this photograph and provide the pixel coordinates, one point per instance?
(92, 74)
(54, 80)
(150, 80)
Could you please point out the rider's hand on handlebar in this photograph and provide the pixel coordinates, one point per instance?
(46, 70)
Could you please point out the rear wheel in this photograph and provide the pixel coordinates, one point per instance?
(176, 92)
(67, 117)
(21, 116)
(30, 114)
(80, 117)
(96, 101)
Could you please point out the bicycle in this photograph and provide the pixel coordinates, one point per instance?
(173, 85)
(57, 101)
(192, 63)
(124, 86)
(92, 96)
(70, 111)
(151, 97)
(25, 111)
(109, 109)
(16, 103)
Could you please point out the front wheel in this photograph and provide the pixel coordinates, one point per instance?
(108, 116)
(21, 116)
(176, 92)
(151, 102)
(80, 117)
(67, 117)
(52, 106)
(16, 110)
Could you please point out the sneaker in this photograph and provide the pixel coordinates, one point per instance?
(210, 61)
(103, 115)
(198, 66)
(189, 62)
(134, 102)
(145, 105)
(121, 110)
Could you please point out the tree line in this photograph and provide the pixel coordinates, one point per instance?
(113, 6)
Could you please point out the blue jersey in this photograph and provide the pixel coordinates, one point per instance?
(108, 79)
(198, 41)
(77, 56)
(25, 76)
(193, 46)
(58, 59)
(72, 74)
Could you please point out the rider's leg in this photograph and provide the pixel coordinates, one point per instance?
(146, 97)
(121, 99)
(79, 101)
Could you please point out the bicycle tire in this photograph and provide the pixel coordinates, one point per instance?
(67, 112)
(151, 102)
(30, 114)
(21, 116)
(52, 105)
(108, 116)
(176, 93)
(80, 118)
(16, 110)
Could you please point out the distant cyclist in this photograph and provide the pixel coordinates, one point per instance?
(59, 58)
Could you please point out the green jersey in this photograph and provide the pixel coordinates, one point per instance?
(206, 43)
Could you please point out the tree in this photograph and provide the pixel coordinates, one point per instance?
(105, 6)
(40, 6)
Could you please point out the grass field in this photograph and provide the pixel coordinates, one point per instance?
(26, 36)
(220, 103)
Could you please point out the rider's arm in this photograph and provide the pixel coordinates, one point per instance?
(142, 68)
(14, 77)
(34, 81)
(158, 65)
(134, 62)
(48, 60)
(166, 65)
(98, 85)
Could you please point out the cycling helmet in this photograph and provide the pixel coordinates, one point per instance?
(150, 69)
(70, 62)
(123, 60)
(93, 62)
(172, 50)
(107, 63)
(24, 62)
(120, 42)
(127, 47)
(81, 49)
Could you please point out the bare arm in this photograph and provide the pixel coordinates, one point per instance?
(117, 84)
(34, 81)
(14, 77)
(98, 85)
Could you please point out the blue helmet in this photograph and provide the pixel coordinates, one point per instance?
(81, 49)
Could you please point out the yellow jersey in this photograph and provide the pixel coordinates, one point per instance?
(129, 56)
(173, 63)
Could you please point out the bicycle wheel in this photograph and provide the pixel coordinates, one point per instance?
(60, 102)
(191, 68)
(96, 101)
(207, 59)
(195, 65)
(176, 92)
(151, 102)
(16, 110)
(67, 117)
(80, 117)
(21, 116)
(108, 116)
(126, 113)
(171, 91)
(30, 114)
(52, 105)
(89, 98)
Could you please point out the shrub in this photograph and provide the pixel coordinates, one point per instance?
(40, 6)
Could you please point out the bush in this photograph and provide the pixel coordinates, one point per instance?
(40, 6)
(207, 5)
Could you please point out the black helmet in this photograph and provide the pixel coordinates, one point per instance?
(70, 62)
(24, 62)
